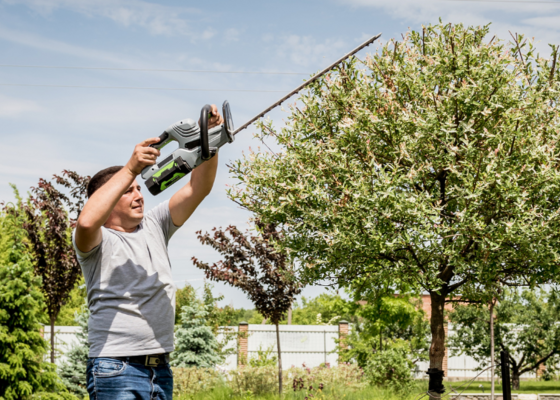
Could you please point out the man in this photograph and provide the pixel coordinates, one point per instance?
(130, 290)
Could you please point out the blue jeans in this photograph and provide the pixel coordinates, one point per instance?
(111, 379)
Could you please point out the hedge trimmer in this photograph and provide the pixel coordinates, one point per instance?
(199, 144)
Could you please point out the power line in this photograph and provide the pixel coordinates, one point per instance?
(153, 70)
(144, 88)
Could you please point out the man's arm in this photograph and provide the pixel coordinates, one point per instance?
(99, 206)
(183, 203)
(186, 200)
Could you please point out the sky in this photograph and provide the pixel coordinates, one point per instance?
(121, 91)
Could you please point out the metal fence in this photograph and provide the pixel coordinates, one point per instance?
(311, 345)
(64, 338)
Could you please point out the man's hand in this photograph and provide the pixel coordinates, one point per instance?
(215, 118)
(143, 156)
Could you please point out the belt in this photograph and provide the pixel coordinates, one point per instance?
(150, 360)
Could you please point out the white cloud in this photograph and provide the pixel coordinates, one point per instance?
(13, 107)
(306, 50)
(232, 35)
(539, 20)
(56, 46)
(156, 18)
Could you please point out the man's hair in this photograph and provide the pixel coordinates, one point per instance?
(101, 178)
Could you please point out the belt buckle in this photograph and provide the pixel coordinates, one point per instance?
(152, 361)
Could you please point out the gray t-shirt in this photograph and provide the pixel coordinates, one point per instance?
(130, 291)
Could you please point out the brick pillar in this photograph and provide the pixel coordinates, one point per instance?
(243, 343)
(342, 332)
(446, 357)
(541, 370)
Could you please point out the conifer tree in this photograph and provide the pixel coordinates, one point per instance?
(22, 371)
(195, 344)
(73, 371)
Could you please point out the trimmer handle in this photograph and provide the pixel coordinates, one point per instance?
(205, 152)
(162, 141)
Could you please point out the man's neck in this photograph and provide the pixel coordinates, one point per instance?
(120, 226)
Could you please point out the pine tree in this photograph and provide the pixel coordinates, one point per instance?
(22, 369)
(73, 371)
(196, 345)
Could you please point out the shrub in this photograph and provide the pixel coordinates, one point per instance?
(22, 370)
(73, 371)
(390, 368)
(254, 380)
(53, 396)
(262, 380)
(344, 376)
(264, 358)
(195, 343)
(189, 381)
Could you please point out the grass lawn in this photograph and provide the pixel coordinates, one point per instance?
(525, 387)
(371, 393)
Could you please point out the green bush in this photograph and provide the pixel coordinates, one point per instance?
(195, 343)
(189, 381)
(342, 377)
(390, 368)
(53, 396)
(73, 371)
(264, 380)
(264, 358)
(254, 380)
(22, 369)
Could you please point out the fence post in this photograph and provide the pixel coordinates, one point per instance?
(342, 334)
(243, 351)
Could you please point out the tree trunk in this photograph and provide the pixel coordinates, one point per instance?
(380, 340)
(515, 379)
(279, 360)
(53, 319)
(437, 348)
(492, 387)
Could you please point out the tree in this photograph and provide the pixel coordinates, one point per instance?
(185, 296)
(386, 322)
(252, 264)
(430, 166)
(48, 227)
(196, 345)
(526, 325)
(22, 371)
(73, 371)
(330, 306)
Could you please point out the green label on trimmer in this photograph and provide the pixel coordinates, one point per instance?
(169, 182)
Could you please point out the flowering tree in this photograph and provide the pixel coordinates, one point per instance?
(433, 165)
(252, 264)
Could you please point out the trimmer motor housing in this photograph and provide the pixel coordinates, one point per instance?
(196, 145)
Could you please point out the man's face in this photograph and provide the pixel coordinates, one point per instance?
(130, 207)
